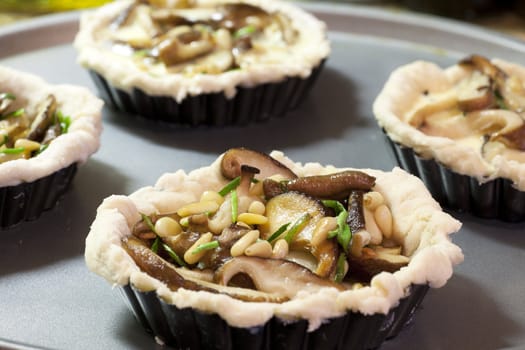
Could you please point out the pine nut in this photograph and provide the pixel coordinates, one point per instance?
(376, 237)
(198, 208)
(373, 199)
(383, 218)
(244, 242)
(262, 249)
(166, 226)
(27, 144)
(212, 196)
(252, 219)
(191, 258)
(256, 207)
(280, 249)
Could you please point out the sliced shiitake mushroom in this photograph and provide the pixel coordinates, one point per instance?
(174, 278)
(183, 44)
(44, 118)
(331, 186)
(288, 208)
(356, 216)
(271, 275)
(476, 93)
(234, 158)
(374, 260)
(510, 88)
(513, 139)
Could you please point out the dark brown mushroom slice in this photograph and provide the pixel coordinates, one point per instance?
(158, 268)
(513, 139)
(218, 256)
(356, 216)
(288, 208)
(45, 117)
(234, 158)
(183, 47)
(273, 276)
(155, 266)
(476, 93)
(375, 260)
(182, 242)
(332, 186)
(509, 88)
(272, 188)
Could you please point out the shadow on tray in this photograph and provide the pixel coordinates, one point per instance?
(327, 112)
(60, 232)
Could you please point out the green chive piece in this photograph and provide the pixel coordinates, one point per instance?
(42, 148)
(141, 53)
(7, 95)
(173, 255)
(296, 227)
(148, 222)
(343, 232)
(230, 186)
(64, 120)
(205, 246)
(244, 31)
(235, 206)
(277, 233)
(155, 245)
(17, 150)
(14, 114)
(340, 268)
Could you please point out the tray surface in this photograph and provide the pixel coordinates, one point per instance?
(49, 299)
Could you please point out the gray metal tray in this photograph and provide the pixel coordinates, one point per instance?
(49, 299)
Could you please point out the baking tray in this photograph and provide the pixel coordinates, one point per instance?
(49, 299)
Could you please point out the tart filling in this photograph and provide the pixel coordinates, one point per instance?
(252, 236)
(468, 117)
(201, 46)
(43, 127)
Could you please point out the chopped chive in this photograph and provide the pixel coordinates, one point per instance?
(155, 245)
(343, 232)
(500, 101)
(277, 233)
(230, 186)
(235, 206)
(148, 222)
(14, 114)
(173, 255)
(244, 31)
(64, 120)
(205, 246)
(141, 53)
(340, 268)
(17, 150)
(296, 227)
(42, 148)
(7, 95)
